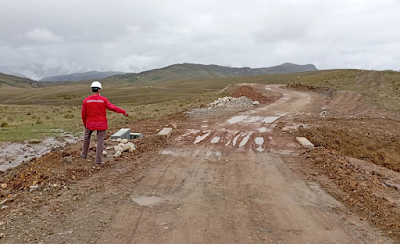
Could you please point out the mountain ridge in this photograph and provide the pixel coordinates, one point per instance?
(90, 75)
(195, 71)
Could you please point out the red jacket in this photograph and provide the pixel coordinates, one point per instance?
(94, 112)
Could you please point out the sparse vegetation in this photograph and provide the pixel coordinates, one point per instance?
(56, 110)
(380, 88)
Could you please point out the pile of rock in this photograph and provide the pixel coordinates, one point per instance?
(124, 145)
(233, 102)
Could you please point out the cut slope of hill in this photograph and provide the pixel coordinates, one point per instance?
(194, 71)
(381, 88)
(11, 80)
(91, 75)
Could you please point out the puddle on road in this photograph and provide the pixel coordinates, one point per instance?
(245, 140)
(13, 154)
(200, 138)
(167, 152)
(252, 119)
(148, 201)
(215, 139)
(259, 142)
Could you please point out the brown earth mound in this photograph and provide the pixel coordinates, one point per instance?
(254, 95)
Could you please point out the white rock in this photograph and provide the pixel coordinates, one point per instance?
(132, 149)
(124, 141)
(117, 154)
(126, 148)
(131, 144)
(119, 140)
(121, 145)
(118, 149)
(104, 152)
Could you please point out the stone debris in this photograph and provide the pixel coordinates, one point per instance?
(304, 142)
(233, 102)
(117, 154)
(118, 149)
(4, 185)
(123, 146)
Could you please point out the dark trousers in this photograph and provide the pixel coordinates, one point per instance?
(101, 134)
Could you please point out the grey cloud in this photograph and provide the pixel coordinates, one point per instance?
(41, 38)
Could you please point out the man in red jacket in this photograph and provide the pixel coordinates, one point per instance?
(94, 119)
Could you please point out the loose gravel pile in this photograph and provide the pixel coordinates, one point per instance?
(230, 102)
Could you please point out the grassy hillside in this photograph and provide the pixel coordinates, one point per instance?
(122, 91)
(381, 88)
(82, 76)
(15, 81)
(28, 113)
(197, 71)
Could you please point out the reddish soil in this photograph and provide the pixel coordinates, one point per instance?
(217, 183)
(255, 95)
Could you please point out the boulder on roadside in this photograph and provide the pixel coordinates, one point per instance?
(118, 149)
(117, 154)
(124, 141)
(126, 148)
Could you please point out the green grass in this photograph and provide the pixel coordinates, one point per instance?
(27, 112)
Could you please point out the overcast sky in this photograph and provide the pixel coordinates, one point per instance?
(50, 37)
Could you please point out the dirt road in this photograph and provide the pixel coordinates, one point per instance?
(228, 183)
(226, 179)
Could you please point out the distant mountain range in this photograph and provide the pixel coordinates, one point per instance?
(91, 75)
(195, 71)
(173, 72)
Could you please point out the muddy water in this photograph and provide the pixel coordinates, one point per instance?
(13, 154)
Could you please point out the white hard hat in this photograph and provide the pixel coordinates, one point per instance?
(96, 84)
